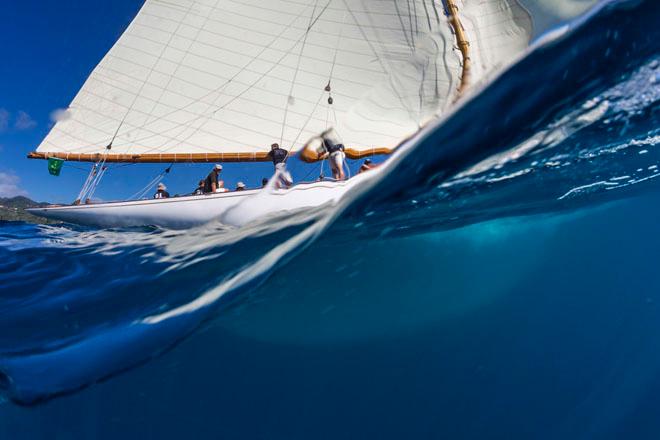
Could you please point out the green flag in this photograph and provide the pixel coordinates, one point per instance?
(55, 166)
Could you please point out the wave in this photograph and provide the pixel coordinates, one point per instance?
(571, 124)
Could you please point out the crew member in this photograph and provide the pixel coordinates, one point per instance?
(212, 182)
(336, 155)
(366, 166)
(161, 193)
(278, 156)
(200, 189)
(240, 186)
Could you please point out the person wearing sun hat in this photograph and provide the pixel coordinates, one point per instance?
(240, 186)
(366, 166)
(161, 192)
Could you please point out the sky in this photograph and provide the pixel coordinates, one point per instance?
(48, 50)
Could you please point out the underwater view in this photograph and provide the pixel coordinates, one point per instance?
(493, 279)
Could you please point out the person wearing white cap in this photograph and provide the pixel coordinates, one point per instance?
(212, 183)
(161, 193)
(240, 186)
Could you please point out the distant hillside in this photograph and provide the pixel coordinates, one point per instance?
(12, 209)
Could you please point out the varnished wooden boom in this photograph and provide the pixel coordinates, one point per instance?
(462, 42)
(155, 157)
(191, 157)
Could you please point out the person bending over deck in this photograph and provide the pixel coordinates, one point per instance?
(336, 155)
(279, 155)
(212, 183)
(161, 192)
(200, 189)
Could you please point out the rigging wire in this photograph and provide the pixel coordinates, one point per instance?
(85, 187)
(295, 74)
(309, 118)
(383, 65)
(93, 188)
(328, 88)
(141, 193)
(68, 165)
(180, 62)
(208, 116)
(187, 123)
(148, 76)
(310, 172)
(95, 181)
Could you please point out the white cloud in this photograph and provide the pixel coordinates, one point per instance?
(24, 121)
(60, 114)
(4, 119)
(9, 185)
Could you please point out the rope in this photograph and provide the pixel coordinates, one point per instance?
(328, 88)
(310, 172)
(309, 118)
(88, 181)
(141, 193)
(334, 58)
(96, 183)
(295, 74)
(93, 179)
(68, 165)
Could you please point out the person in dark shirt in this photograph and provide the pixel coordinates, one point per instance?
(278, 156)
(336, 155)
(212, 182)
(161, 193)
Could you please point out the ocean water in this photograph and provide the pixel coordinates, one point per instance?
(498, 279)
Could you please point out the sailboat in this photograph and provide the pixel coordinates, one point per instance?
(216, 81)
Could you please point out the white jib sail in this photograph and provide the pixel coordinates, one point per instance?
(234, 76)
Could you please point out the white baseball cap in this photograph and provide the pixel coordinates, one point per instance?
(218, 166)
(240, 185)
(161, 186)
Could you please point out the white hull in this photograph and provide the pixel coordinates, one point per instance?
(232, 208)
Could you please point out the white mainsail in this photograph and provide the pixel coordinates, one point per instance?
(205, 77)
